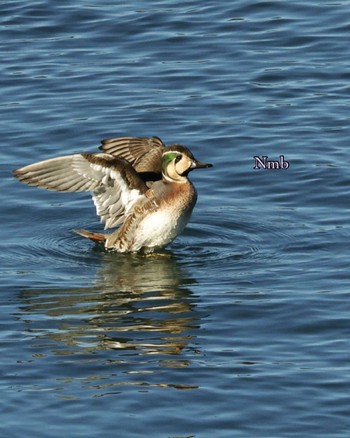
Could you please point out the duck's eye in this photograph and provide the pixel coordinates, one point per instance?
(177, 159)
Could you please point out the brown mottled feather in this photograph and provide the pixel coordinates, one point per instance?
(144, 154)
(122, 166)
(130, 148)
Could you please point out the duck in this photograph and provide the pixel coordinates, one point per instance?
(138, 184)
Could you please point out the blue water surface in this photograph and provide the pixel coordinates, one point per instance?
(242, 327)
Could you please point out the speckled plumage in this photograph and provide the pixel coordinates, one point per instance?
(136, 182)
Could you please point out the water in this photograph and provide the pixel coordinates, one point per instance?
(242, 327)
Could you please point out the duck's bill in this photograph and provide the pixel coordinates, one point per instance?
(200, 165)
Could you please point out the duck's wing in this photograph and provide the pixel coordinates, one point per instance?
(145, 154)
(114, 184)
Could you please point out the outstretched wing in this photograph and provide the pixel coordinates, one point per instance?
(114, 184)
(145, 154)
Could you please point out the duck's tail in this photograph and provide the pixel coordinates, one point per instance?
(96, 237)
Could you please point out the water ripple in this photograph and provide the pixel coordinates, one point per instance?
(220, 237)
(53, 241)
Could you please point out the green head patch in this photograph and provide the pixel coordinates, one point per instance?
(168, 157)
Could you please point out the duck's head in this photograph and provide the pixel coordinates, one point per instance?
(177, 162)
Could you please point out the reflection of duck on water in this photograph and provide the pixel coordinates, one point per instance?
(135, 303)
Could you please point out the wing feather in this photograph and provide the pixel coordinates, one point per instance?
(137, 150)
(114, 183)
